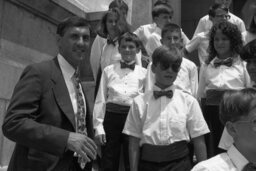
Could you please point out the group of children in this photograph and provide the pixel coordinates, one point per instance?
(154, 113)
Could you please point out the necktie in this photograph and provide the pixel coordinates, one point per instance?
(249, 167)
(111, 41)
(158, 94)
(228, 62)
(125, 65)
(80, 115)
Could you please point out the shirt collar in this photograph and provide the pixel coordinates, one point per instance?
(66, 68)
(237, 158)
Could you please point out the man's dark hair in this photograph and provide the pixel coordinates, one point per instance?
(214, 7)
(73, 21)
(249, 51)
(122, 5)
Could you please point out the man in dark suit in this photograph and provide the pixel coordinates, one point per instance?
(41, 117)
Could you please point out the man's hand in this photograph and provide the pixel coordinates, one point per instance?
(101, 139)
(82, 145)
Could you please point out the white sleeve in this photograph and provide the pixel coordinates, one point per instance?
(96, 52)
(184, 38)
(200, 26)
(100, 105)
(193, 44)
(194, 80)
(152, 44)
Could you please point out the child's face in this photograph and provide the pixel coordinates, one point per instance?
(172, 38)
(164, 76)
(128, 50)
(251, 68)
(111, 23)
(220, 15)
(163, 19)
(244, 131)
(222, 44)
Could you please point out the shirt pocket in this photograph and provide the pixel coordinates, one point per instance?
(177, 127)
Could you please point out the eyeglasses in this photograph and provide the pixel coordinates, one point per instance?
(224, 16)
(251, 122)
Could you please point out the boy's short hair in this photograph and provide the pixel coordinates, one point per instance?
(249, 51)
(121, 5)
(170, 27)
(161, 9)
(73, 21)
(236, 104)
(130, 37)
(214, 7)
(167, 55)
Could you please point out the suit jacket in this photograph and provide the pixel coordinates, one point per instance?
(39, 118)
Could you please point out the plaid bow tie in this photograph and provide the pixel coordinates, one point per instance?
(167, 93)
(249, 167)
(218, 62)
(111, 41)
(125, 65)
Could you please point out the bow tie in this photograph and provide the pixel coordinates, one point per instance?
(228, 62)
(167, 93)
(249, 167)
(125, 65)
(111, 41)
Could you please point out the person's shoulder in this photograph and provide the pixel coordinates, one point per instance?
(188, 62)
(204, 18)
(141, 69)
(218, 162)
(234, 17)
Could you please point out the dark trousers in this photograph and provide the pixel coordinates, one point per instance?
(211, 115)
(182, 164)
(113, 125)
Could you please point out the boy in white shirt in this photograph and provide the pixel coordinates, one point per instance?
(238, 114)
(162, 121)
(120, 83)
(187, 79)
(205, 23)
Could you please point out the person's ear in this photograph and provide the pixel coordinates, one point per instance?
(231, 129)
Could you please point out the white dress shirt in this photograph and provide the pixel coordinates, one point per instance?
(232, 160)
(187, 78)
(201, 43)
(164, 121)
(117, 86)
(103, 54)
(68, 72)
(223, 77)
(205, 24)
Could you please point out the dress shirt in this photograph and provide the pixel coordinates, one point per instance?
(103, 54)
(154, 41)
(117, 86)
(68, 72)
(248, 37)
(201, 43)
(223, 77)
(164, 120)
(205, 24)
(187, 78)
(232, 160)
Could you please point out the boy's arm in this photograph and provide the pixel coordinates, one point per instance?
(100, 106)
(199, 148)
(194, 80)
(134, 152)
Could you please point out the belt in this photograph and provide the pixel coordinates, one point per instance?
(164, 153)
